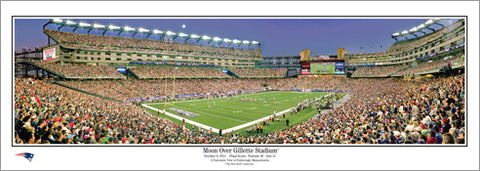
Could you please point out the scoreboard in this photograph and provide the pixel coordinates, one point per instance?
(323, 68)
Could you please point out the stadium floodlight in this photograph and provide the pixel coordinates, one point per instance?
(126, 28)
(404, 32)
(216, 39)
(57, 20)
(227, 40)
(396, 34)
(206, 38)
(169, 33)
(255, 42)
(182, 35)
(70, 22)
(98, 26)
(245, 42)
(429, 22)
(142, 30)
(420, 26)
(82, 24)
(157, 31)
(113, 27)
(194, 36)
(236, 41)
(413, 29)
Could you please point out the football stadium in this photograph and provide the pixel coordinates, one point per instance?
(101, 83)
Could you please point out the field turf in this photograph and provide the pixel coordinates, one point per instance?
(233, 112)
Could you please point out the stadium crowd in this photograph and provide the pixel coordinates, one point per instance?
(381, 111)
(377, 71)
(118, 43)
(178, 72)
(260, 72)
(436, 64)
(80, 70)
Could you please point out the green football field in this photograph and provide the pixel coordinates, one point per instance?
(233, 112)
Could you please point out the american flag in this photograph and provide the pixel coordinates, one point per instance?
(28, 156)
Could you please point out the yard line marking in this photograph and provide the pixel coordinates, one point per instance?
(186, 120)
(248, 95)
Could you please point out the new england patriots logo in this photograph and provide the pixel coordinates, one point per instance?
(28, 156)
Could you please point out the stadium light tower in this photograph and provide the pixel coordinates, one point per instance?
(82, 25)
(256, 43)
(413, 30)
(126, 29)
(205, 37)
(54, 21)
(96, 27)
(216, 39)
(182, 35)
(245, 42)
(420, 28)
(235, 41)
(156, 32)
(395, 35)
(141, 30)
(226, 40)
(192, 36)
(111, 27)
(67, 23)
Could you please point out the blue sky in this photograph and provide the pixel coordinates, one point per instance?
(278, 36)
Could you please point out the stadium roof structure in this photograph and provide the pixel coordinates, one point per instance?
(149, 32)
(418, 29)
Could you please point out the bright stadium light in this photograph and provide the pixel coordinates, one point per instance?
(216, 39)
(112, 27)
(227, 40)
(126, 28)
(420, 26)
(70, 22)
(157, 31)
(98, 26)
(255, 42)
(236, 41)
(142, 30)
(182, 35)
(169, 33)
(57, 20)
(396, 34)
(82, 24)
(194, 36)
(206, 38)
(404, 32)
(413, 29)
(245, 42)
(429, 22)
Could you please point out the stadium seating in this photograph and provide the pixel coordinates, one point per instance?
(124, 44)
(381, 111)
(79, 70)
(178, 72)
(377, 71)
(260, 72)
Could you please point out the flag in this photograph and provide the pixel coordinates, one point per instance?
(28, 156)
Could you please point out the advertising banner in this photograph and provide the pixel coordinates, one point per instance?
(121, 69)
(49, 54)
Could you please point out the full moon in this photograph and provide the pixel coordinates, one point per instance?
(183, 26)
